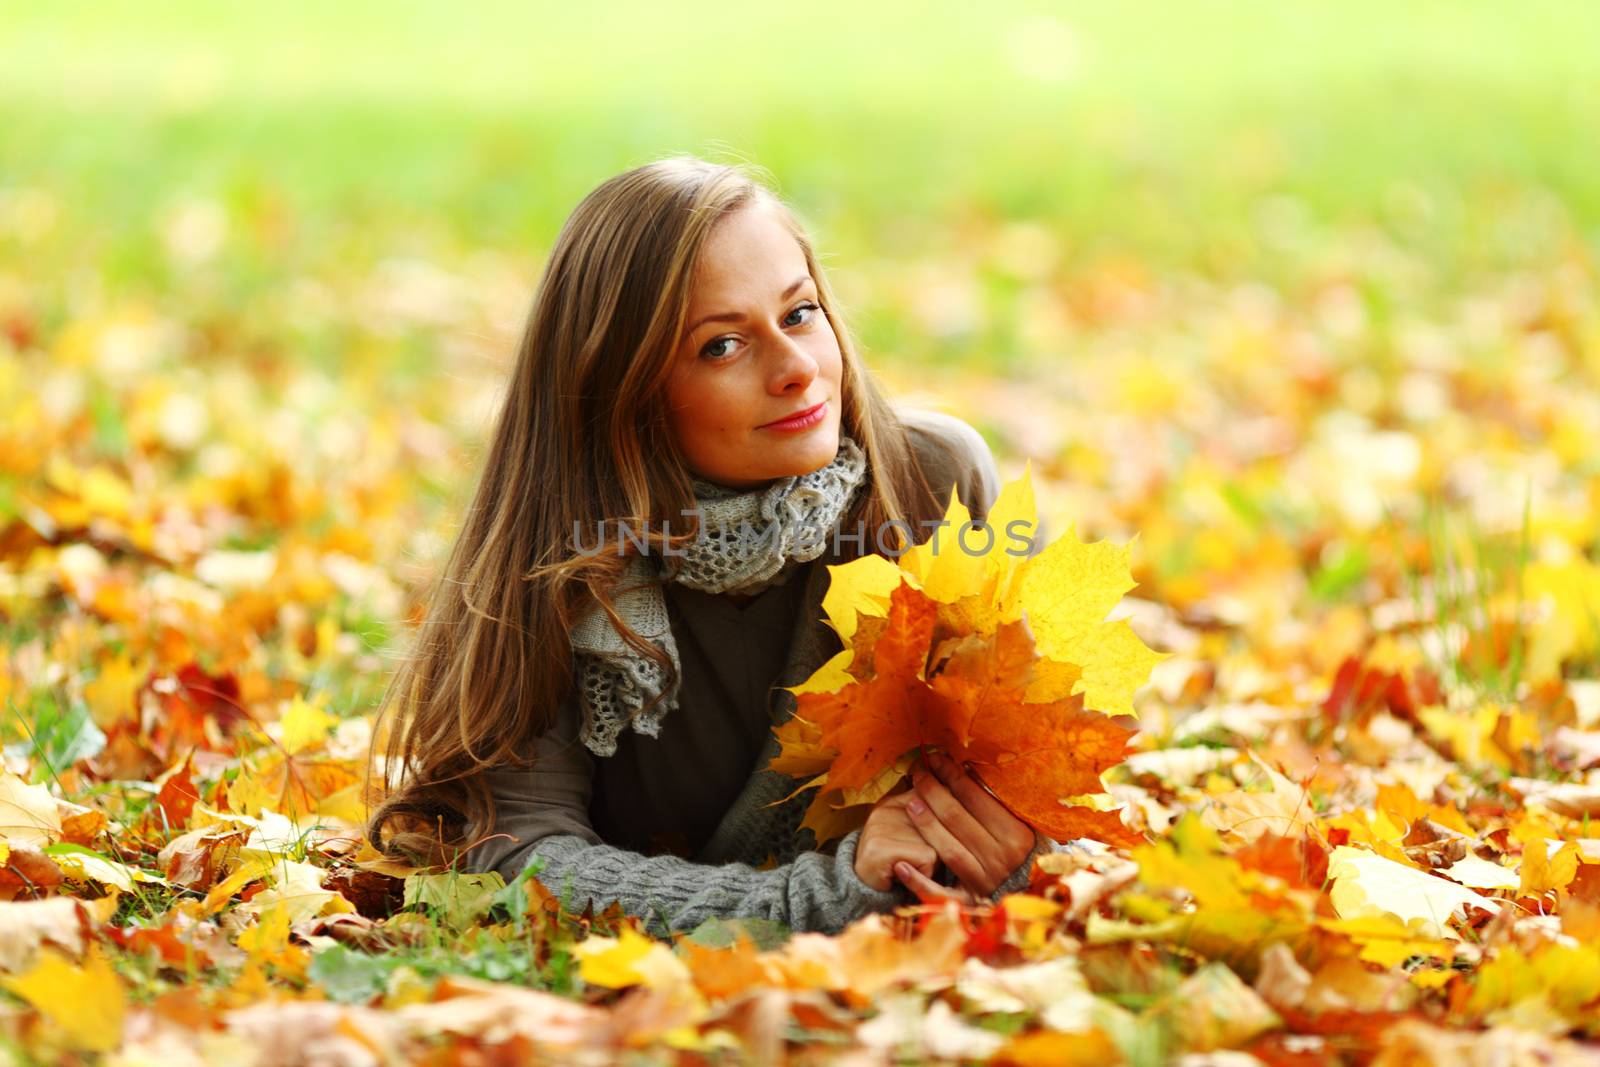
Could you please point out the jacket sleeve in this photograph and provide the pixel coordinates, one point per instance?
(815, 892)
(551, 797)
(543, 814)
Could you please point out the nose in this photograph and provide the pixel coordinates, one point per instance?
(793, 369)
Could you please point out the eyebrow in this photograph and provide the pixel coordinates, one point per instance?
(734, 316)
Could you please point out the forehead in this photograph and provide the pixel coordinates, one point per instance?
(750, 254)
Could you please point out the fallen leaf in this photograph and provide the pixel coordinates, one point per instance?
(85, 1001)
(1367, 884)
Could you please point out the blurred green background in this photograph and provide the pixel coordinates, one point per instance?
(1222, 138)
(1148, 246)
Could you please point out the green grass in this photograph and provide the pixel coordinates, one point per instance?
(1227, 140)
(1469, 567)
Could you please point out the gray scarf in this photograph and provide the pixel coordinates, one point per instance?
(749, 540)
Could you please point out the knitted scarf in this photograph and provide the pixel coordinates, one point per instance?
(749, 540)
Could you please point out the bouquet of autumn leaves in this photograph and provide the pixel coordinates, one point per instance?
(1001, 659)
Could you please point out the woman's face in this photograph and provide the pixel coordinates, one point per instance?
(759, 350)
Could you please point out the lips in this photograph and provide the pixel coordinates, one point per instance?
(798, 416)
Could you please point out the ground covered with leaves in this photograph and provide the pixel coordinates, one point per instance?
(1358, 800)
(1315, 369)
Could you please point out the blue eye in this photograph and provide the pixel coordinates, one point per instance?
(806, 306)
(707, 350)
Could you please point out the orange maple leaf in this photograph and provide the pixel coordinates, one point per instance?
(880, 716)
(964, 695)
(1031, 756)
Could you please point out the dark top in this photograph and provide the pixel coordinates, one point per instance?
(731, 657)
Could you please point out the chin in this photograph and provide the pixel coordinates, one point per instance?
(795, 458)
(818, 453)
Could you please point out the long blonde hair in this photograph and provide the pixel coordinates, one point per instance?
(582, 440)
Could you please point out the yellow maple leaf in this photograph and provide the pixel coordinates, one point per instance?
(1065, 591)
(829, 817)
(297, 888)
(1487, 734)
(348, 804)
(958, 560)
(267, 942)
(1571, 625)
(1385, 940)
(1544, 870)
(248, 871)
(1284, 809)
(629, 959)
(1238, 911)
(860, 587)
(296, 785)
(1564, 977)
(111, 695)
(306, 723)
(269, 935)
(86, 1002)
(99, 491)
(801, 751)
(831, 676)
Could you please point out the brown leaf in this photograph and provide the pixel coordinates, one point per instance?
(28, 873)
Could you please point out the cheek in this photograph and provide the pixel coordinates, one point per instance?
(684, 405)
(702, 405)
(830, 361)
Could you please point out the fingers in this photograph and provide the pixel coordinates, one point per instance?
(870, 875)
(952, 810)
(876, 862)
(905, 841)
(1010, 832)
(956, 853)
(928, 810)
(920, 855)
(977, 836)
(890, 837)
(927, 889)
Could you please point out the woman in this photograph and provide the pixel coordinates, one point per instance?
(596, 684)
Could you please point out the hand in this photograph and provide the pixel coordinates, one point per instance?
(975, 835)
(889, 838)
